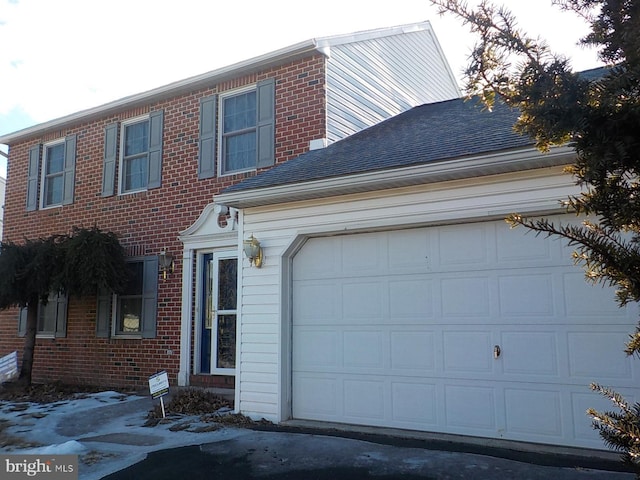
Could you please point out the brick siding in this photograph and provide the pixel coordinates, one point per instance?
(146, 222)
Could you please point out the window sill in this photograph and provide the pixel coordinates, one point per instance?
(129, 336)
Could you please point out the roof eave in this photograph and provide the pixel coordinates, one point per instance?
(432, 172)
(179, 87)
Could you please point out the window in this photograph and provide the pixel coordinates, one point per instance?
(52, 318)
(238, 132)
(52, 183)
(136, 159)
(133, 312)
(129, 304)
(53, 174)
(135, 156)
(242, 137)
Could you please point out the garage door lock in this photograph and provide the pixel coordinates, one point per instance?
(496, 351)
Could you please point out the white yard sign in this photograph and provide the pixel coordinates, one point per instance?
(159, 386)
(9, 367)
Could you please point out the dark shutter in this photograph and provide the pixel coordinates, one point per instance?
(69, 169)
(207, 146)
(155, 149)
(149, 297)
(32, 178)
(61, 315)
(103, 313)
(22, 322)
(266, 123)
(110, 159)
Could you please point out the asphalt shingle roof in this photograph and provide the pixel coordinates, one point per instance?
(427, 133)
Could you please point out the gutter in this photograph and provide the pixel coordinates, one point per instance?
(432, 172)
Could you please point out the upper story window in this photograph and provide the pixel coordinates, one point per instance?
(238, 132)
(51, 174)
(242, 137)
(133, 154)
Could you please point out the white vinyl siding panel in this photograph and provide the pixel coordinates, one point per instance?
(371, 80)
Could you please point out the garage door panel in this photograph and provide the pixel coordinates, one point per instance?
(410, 299)
(526, 295)
(363, 349)
(582, 400)
(589, 302)
(364, 254)
(317, 348)
(403, 334)
(316, 309)
(517, 358)
(533, 412)
(515, 248)
(468, 248)
(414, 404)
(465, 297)
(598, 355)
(317, 396)
(413, 350)
(471, 407)
(468, 352)
(364, 301)
(365, 399)
(410, 251)
(321, 260)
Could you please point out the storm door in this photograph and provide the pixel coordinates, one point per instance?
(219, 294)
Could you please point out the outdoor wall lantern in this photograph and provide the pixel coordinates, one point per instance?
(165, 260)
(253, 251)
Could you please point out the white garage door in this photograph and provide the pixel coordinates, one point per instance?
(470, 329)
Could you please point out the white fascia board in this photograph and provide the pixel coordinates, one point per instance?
(456, 169)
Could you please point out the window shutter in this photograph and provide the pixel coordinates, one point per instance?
(61, 315)
(266, 123)
(103, 313)
(155, 149)
(149, 297)
(32, 178)
(22, 322)
(207, 150)
(69, 169)
(110, 159)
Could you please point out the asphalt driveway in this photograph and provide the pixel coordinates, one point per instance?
(285, 455)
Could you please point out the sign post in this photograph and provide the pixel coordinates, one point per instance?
(159, 387)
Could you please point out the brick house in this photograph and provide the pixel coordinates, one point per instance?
(147, 167)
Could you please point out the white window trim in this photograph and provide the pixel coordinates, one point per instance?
(221, 98)
(43, 174)
(123, 125)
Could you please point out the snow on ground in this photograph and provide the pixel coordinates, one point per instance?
(106, 430)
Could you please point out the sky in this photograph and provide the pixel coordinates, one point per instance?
(59, 57)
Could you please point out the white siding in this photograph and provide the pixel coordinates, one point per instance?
(371, 80)
(264, 335)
